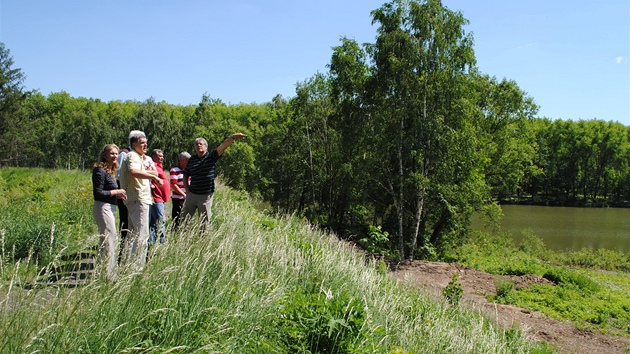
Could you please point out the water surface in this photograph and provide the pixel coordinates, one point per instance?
(564, 228)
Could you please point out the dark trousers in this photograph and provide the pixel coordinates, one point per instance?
(176, 211)
(124, 219)
(123, 226)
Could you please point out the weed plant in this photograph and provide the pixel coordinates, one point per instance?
(454, 290)
(250, 283)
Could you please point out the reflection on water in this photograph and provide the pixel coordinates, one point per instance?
(563, 228)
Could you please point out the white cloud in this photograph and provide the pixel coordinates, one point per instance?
(528, 45)
(621, 60)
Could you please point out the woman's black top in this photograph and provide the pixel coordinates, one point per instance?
(103, 183)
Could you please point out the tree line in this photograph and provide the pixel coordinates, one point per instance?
(405, 133)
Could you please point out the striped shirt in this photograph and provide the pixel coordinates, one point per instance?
(201, 171)
(177, 177)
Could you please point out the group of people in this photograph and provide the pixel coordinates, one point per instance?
(138, 186)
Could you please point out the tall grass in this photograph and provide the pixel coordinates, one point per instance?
(42, 212)
(250, 283)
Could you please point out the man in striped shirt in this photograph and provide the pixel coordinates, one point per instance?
(177, 186)
(201, 169)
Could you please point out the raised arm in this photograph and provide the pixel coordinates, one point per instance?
(227, 142)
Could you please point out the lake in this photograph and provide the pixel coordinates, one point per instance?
(564, 228)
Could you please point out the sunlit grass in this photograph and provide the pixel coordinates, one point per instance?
(251, 283)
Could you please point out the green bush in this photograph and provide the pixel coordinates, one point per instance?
(597, 259)
(568, 277)
(583, 293)
(532, 244)
(29, 238)
(454, 290)
(505, 291)
(376, 241)
(319, 323)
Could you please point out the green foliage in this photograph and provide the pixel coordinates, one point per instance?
(505, 291)
(376, 241)
(382, 267)
(543, 348)
(13, 122)
(532, 244)
(581, 163)
(454, 290)
(565, 277)
(596, 259)
(321, 323)
(53, 209)
(584, 295)
(497, 254)
(251, 283)
(606, 309)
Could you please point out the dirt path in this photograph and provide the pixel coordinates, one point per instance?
(563, 336)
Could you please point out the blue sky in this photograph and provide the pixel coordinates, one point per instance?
(570, 56)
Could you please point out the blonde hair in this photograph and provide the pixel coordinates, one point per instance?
(102, 162)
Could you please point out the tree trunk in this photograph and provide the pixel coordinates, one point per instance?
(401, 202)
(420, 207)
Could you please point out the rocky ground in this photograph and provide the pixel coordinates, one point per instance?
(565, 337)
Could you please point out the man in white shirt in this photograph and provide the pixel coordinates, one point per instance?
(135, 178)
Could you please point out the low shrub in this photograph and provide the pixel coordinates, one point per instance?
(376, 241)
(319, 323)
(505, 291)
(562, 276)
(454, 290)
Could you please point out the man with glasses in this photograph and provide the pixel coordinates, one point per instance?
(201, 169)
(136, 179)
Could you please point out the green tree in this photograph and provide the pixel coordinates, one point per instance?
(215, 121)
(507, 140)
(563, 168)
(535, 183)
(349, 76)
(34, 132)
(13, 125)
(282, 160)
(429, 134)
(312, 111)
(421, 60)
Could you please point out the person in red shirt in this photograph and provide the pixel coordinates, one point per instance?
(161, 195)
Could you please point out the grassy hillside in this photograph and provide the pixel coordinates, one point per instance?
(252, 283)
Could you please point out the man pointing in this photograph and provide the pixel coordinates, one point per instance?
(201, 169)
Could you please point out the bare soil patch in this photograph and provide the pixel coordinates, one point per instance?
(565, 337)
